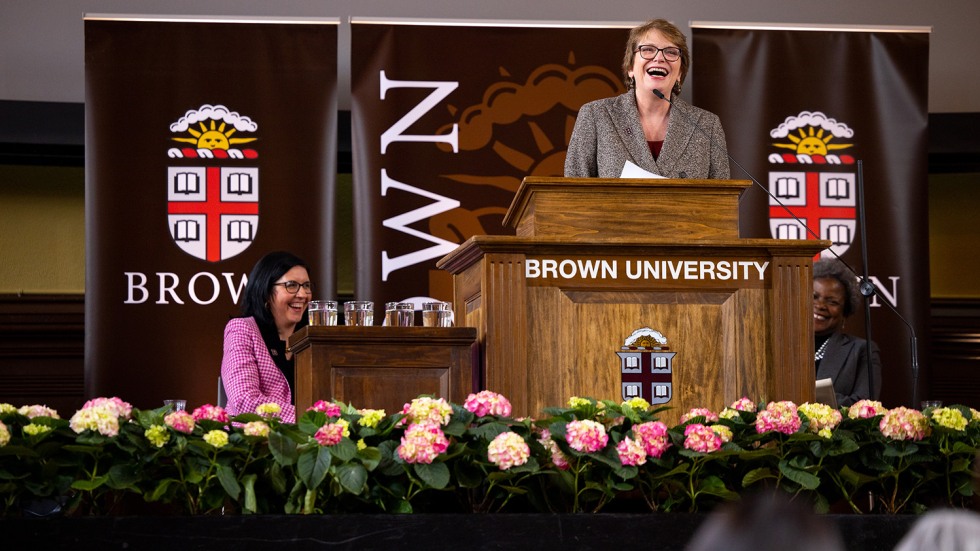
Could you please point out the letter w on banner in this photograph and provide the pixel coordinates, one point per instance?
(448, 118)
(209, 144)
(801, 106)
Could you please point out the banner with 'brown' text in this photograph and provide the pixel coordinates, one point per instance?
(208, 144)
(803, 109)
(447, 119)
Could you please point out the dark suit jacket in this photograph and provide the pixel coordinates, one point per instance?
(845, 361)
(608, 132)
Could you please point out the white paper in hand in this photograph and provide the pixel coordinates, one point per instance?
(630, 170)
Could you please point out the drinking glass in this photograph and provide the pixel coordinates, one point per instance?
(437, 314)
(359, 312)
(176, 405)
(399, 314)
(323, 312)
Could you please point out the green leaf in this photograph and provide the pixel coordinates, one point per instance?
(345, 450)
(90, 485)
(755, 475)
(313, 465)
(283, 448)
(122, 476)
(352, 477)
(250, 506)
(435, 475)
(370, 457)
(713, 485)
(801, 477)
(228, 480)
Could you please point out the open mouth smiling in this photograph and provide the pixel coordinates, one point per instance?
(657, 72)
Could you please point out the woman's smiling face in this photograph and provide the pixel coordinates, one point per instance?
(656, 73)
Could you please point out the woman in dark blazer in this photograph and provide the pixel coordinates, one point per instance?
(670, 138)
(838, 356)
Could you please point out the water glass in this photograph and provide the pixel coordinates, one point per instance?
(437, 314)
(399, 314)
(176, 405)
(323, 312)
(933, 404)
(359, 312)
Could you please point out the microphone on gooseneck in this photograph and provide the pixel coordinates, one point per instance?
(867, 287)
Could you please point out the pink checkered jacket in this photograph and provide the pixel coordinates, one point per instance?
(249, 374)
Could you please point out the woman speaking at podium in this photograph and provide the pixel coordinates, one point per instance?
(256, 367)
(649, 126)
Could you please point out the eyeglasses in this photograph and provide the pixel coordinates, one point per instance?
(292, 287)
(647, 51)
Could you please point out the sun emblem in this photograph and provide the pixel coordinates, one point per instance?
(810, 134)
(811, 142)
(215, 126)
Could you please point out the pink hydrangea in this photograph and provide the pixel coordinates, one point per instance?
(329, 409)
(256, 428)
(700, 438)
(631, 452)
(207, 412)
(508, 450)
(180, 421)
(558, 458)
(330, 434)
(422, 443)
(723, 432)
(699, 412)
(586, 436)
(38, 410)
(485, 403)
(114, 406)
(778, 416)
(653, 436)
(96, 419)
(743, 404)
(427, 410)
(903, 423)
(865, 409)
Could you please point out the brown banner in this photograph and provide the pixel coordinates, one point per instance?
(800, 108)
(208, 144)
(447, 120)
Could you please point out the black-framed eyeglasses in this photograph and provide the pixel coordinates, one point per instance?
(292, 287)
(647, 51)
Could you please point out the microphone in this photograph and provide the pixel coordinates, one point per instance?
(866, 286)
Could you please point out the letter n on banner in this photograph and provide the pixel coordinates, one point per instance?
(208, 144)
(801, 106)
(443, 135)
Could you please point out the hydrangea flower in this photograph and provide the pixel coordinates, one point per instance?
(631, 452)
(329, 409)
(427, 410)
(576, 402)
(158, 435)
(903, 423)
(114, 406)
(637, 403)
(723, 432)
(208, 412)
(508, 450)
(653, 437)
(217, 438)
(778, 416)
(361, 444)
(33, 429)
(38, 411)
(98, 419)
(586, 436)
(370, 418)
(700, 438)
(6, 408)
(974, 416)
(485, 403)
(950, 418)
(180, 421)
(268, 409)
(865, 409)
(422, 443)
(743, 404)
(4, 435)
(256, 428)
(821, 417)
(330, 434)
(558, 458)
(699, 412)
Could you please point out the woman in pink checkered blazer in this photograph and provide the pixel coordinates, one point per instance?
(256, 368)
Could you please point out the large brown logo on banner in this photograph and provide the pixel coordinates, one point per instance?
(213, 202)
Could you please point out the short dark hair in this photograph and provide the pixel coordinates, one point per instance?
(835, 269)
(264, 274)
(672, 33)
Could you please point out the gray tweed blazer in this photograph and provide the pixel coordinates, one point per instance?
(608, 133)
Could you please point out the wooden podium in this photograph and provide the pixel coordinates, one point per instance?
(594, 260)
(383, 367)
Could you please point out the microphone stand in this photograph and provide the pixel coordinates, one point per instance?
(867, 291)
(866, 286)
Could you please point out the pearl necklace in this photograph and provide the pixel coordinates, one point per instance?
(818, 355)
